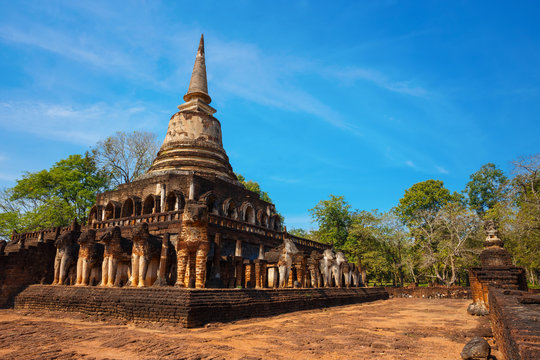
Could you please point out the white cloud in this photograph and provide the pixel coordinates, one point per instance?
(352, 74)
(83, 125)
(441, 169)
(409, 163)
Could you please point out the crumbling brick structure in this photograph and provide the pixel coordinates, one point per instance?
(496, 271)
(187, 221)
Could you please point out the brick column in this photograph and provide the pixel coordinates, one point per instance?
(300, 274)
(239, 271)
(162, 275)
(238, 250)
(249, 272)
(260, 273)
(290, 282)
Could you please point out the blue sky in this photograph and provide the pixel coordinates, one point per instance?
(354, 98)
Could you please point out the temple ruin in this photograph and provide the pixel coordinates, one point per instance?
(186, 223)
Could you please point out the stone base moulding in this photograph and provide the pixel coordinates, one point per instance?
(187, 307)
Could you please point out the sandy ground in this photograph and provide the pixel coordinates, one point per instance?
(392, 329)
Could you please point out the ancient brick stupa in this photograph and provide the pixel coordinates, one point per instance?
(496, 271)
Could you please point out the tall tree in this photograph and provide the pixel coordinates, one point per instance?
(52, 197)
(523, 222)
(425, 197)
(486, 188)
(334, 218)
(126, 155)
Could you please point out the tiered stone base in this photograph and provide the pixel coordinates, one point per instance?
(187, 307)
(515, 321)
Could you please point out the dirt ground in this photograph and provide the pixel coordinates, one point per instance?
(392, 329)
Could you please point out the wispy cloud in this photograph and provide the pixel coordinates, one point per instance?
(441, 169)
(409, 163)
(78, 48)
(354, 74)
(73, 124)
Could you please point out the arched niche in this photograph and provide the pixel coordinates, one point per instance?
(211, 202)
(95, 214)
(276, 223)
(151, 204)
(175, 201)
(248, 212)
(131, 207)
(112, 210)
(127, 208)
(229, 209)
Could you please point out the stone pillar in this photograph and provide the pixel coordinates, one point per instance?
(273, 276)
(192, 188)
(163, 195)
(261, 252)
(249, 272)
(300, 274)
(162, 274)
(239, 271)
(238, 250)
(290, 281)
(260, 273)
(41, 237)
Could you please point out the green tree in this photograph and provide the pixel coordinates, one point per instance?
(486, 188)
(334, 218)
(521, 220)
(52, 197)
(425, 197)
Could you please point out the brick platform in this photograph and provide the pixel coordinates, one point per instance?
(187, 307)
(431, 292)
(515, 320)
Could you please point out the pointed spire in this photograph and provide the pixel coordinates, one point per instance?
(198, 88)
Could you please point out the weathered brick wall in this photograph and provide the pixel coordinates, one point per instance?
(32, 265)
(515, 321)
(431, 292)
(187, 307)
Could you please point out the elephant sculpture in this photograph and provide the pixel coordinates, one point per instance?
(288, 251)
(337, 268)
(313, 268)
(67, 250)
(325, 266)
(346, 271)
(193, 246)
(144, 256)
(116, 267)
(90, 259)
(282, 256)
(354, 275)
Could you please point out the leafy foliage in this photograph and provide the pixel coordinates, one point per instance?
(422, 198)
(255, 187)
(52, 197)
(334, 219)
(486, 188)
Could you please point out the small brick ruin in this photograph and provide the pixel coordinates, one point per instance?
(515, 319)
(187, 307)
(430, 292)
(186, 223)
(496, 271)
